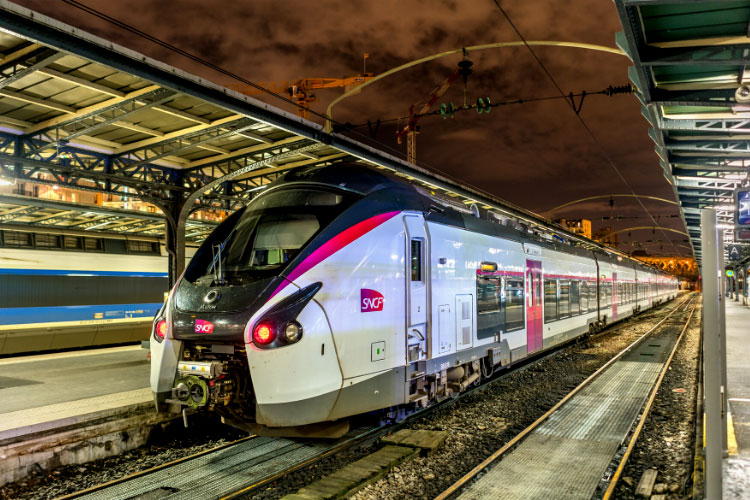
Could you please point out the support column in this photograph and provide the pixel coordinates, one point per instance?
(723, 347)
(736, 284)
(712, 299)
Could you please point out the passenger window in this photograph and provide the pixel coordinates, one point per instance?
(550, 300)
(490, 317)
(584, 296)
(563, 302)
(513, 303)
(416, 260)
(575, 298)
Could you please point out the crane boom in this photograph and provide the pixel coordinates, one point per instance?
(300, 90)
(410, 129)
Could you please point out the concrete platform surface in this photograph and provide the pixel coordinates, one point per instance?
(49, 379)
(737, 467)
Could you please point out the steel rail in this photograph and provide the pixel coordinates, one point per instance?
(519, 437)
(654, 391)
(354, 440)
(155, 468)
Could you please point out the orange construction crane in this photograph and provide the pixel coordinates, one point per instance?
(410, 130)
(301, 90)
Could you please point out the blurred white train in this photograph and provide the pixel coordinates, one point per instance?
(342, 290)
(75, 289)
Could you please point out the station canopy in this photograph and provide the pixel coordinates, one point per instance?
(690, 59)
(118, 130)
(82, 114)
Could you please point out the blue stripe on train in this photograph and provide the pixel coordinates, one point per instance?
(25, 315)
(65, 272)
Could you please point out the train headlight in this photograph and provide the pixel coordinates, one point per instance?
(160, 330)
(264, 334)
(292, 332)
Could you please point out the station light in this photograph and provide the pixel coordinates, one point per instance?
(742, 211)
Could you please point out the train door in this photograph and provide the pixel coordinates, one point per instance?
(534, 324)
(615, 296)
(416, 288)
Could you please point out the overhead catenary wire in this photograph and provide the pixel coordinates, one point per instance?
(609, 91)
(94, 12)
(583, 123)
(162, 43)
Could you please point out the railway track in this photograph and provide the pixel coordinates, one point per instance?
(237, 469)
(662, 340)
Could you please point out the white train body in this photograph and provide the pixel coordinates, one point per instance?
(399, 301)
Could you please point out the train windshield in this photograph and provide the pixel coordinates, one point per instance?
(273, 229)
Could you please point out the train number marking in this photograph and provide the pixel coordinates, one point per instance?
(203, 326)
(371, 300)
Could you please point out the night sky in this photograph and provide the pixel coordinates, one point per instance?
(536, 155)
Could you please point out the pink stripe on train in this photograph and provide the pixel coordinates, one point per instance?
(334, 245)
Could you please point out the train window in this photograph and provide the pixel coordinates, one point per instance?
(550, 300)
(93, 245)
(563, 303)
(46, 241)
(416, 259)
(575, 298)
(142, 247)
(72, 242)
(606, 294)
(16, 239)
(513, 303)
(270, 232)
(584, 296)
(490, 317)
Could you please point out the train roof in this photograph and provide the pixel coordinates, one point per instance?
(365, 180)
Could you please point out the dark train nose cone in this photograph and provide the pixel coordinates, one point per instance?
(211, 296)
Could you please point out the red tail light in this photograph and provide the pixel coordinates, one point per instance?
(161, 329)
(264, 334)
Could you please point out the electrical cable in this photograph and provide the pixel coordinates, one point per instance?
(219, 69)
(580, 119)
(492, 105)
(121, 24)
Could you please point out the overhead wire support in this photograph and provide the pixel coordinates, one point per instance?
(580, 119)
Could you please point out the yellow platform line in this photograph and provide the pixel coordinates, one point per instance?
(731, 438)
(732, 447)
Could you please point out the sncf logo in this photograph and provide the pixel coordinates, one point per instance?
(371, 300)
(203, 326)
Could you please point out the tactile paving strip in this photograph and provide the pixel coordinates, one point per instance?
(566, 457)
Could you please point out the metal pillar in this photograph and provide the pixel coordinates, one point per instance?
(723, 348)
(712, 300)
(736, 284)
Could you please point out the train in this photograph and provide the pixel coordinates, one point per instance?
(71, 289)
(344, 289)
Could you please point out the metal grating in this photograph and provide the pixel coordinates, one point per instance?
(566, 457)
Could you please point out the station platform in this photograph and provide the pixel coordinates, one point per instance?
(43, 391)
(737, 465)
(73, 407)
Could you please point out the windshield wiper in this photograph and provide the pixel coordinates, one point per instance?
(218, 273)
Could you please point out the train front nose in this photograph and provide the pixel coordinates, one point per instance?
(295, 383)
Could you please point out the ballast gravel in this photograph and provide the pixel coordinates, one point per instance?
(167, 444)
(667, 441)
(478, 424)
